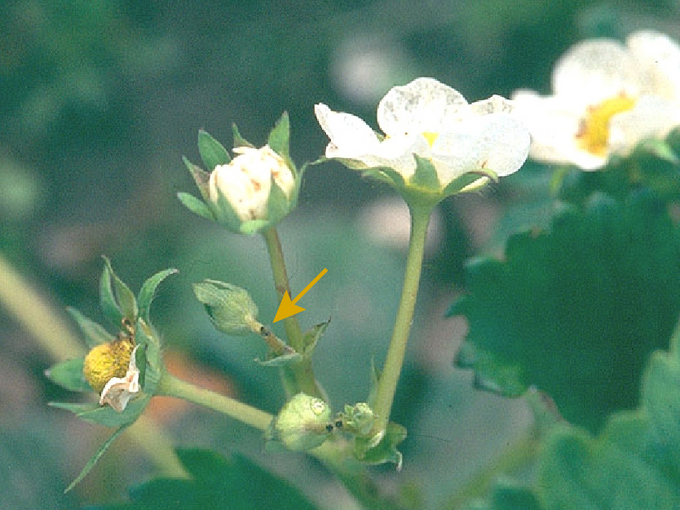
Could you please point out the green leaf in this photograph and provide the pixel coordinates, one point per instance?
(95, 334)
(216, 483)
(117, 300)
(95, 458)
(69, 375)
(195, 205)
(148, 290)
(281, 360)
(212, 152)
(104, 415)
(279, 138)
(576, 311)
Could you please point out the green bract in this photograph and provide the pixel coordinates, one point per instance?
(435, 143)
(251, 192)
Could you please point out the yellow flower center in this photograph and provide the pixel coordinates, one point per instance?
(106, 361)
(430, 137)
(593, 135)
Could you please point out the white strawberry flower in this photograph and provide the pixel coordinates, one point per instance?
(607, 97)
(435, 143)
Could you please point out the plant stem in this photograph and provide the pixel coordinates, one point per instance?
(38, 316)
(171, 386)
(297, 377)
(387, 385)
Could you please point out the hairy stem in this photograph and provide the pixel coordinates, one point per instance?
(387, 385)
(171, 386)
(298, 377)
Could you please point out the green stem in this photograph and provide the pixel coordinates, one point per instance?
(171, 386)
(387, 385)
(298, 377)
(49, 330)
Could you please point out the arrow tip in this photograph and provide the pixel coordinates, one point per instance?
(287, 308)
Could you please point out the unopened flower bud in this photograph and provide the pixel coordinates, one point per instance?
(231, 309)
(242, 189)
(302, 424)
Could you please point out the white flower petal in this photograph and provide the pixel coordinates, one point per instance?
(652, 117)
(349, 134)
(119, 390)
(662, 57)
(423, 105)
(497, 142)
(595, 70)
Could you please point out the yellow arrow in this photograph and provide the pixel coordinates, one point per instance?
(287, 307)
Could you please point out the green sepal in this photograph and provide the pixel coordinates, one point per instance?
(212, 152)
(225, 214)
(148, 291)
(657, 149)
(278, 205)
(282, 360)
(239, 141)
(470, 181)
(279, 139)
(312, 336)
(425, 176)
(117, 300)
(149, 357)
(94, 333)
(69, 374)
(95, 458)
(375, 450)
(253, 226)
(200, 176)
(196, 206)
(92, 412)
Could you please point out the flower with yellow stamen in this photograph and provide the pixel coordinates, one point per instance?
(607, 97)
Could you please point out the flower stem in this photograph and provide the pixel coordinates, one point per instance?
(49, 330)
(298, 377)
(387, 385)
(171, 386)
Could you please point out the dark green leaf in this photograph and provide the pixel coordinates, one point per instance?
(239, 141)
(212, 152)
(148, 290)
(216, 483)
(69, 374)
(576, 311)
(95, 334)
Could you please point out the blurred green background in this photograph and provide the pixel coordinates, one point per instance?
(100, 99)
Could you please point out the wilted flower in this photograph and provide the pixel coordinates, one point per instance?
(430, 126)
(245, 183)
(111, 370)
(606, 98)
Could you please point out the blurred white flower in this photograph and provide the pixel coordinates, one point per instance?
(119, 390)
(428, 119)
(245, 183)
(607, 97)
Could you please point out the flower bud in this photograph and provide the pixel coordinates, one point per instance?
(302, 424)
(231, 309)
(242, 189)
